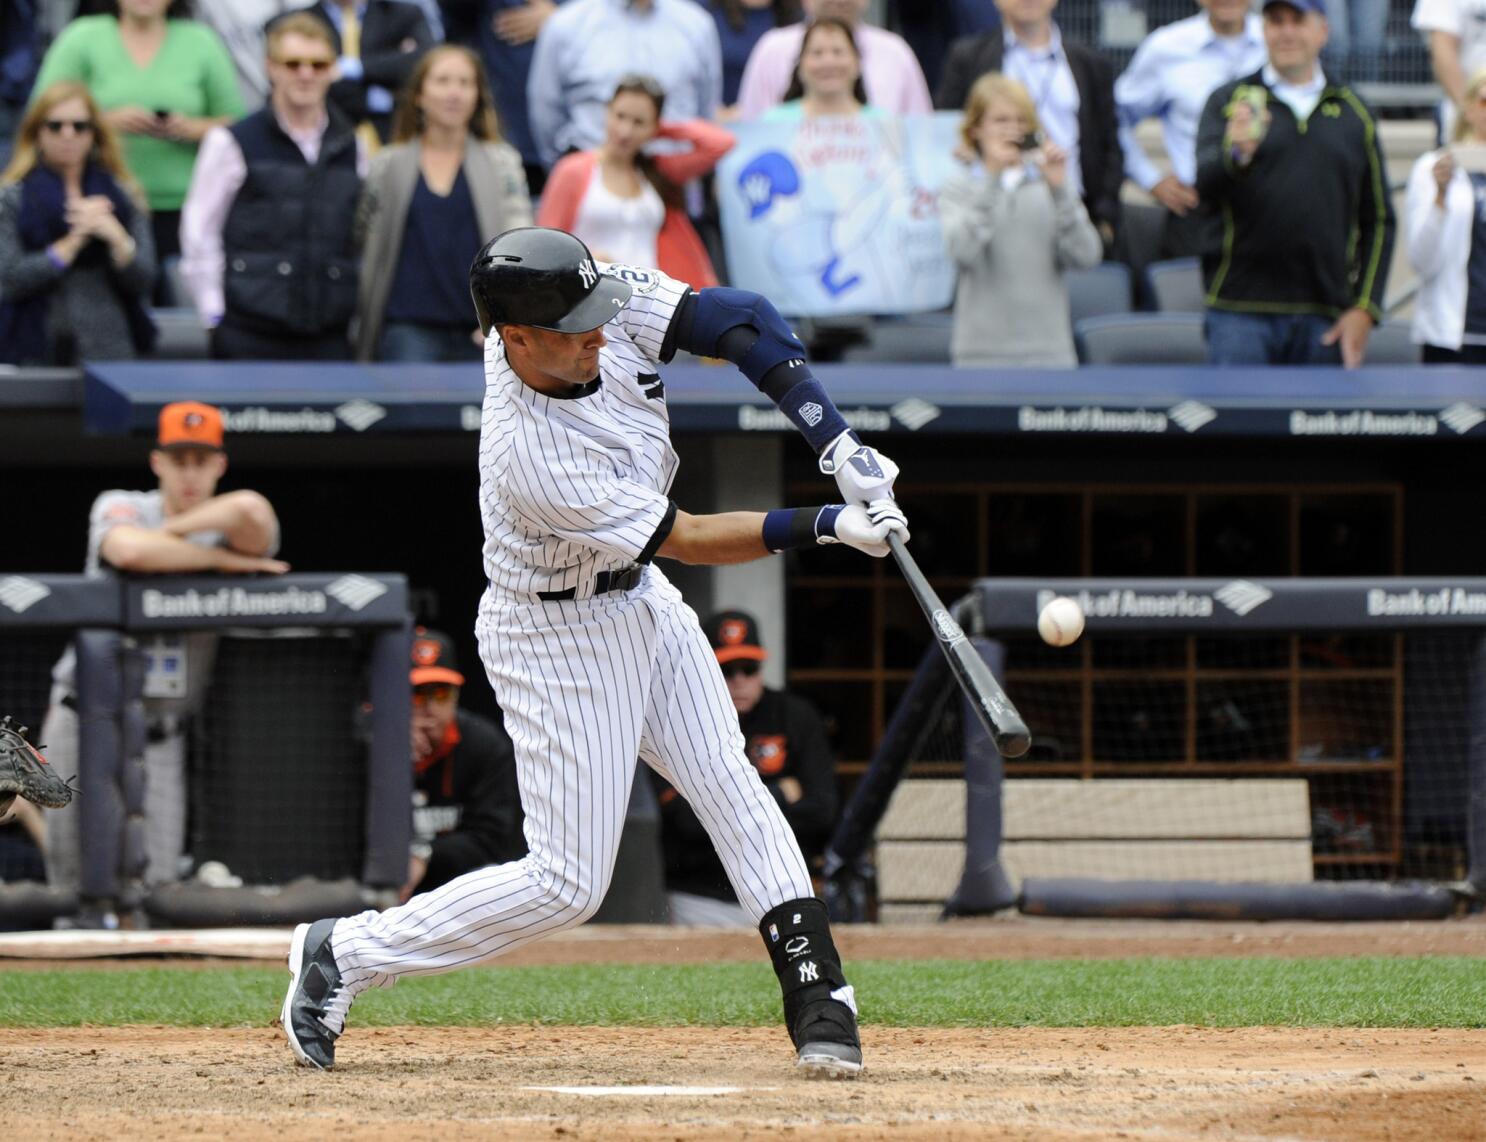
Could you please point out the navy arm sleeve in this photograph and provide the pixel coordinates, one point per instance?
(743, 327)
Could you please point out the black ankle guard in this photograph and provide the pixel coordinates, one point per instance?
(798, 936)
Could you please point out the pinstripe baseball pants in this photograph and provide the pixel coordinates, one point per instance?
(588, 686)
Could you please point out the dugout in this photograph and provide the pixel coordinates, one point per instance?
(1097, 472)
(297, 768)
(1275, 748)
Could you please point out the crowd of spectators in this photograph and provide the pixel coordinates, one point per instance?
(313, 179)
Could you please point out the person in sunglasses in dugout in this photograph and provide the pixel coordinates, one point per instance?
(77, 259)
(466, 805)
(267, 232)
(785, 739)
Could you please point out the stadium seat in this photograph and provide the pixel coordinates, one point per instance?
(181, 336)
(1141, 339)
(1391, 344)
(1176, 285)
(920, 338)
(170, 269)
(1138, 238)
(1103, 290)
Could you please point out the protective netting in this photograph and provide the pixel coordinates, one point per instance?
(1273, 757)
(278, 774)
(27, 655)
(26, 659)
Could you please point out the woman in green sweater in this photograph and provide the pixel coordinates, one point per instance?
(163, 81)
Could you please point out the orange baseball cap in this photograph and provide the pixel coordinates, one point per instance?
(190, 424)
(433, 658)
(734, 635)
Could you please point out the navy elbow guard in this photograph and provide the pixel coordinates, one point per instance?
(743, 327)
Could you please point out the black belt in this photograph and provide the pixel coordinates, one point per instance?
(625, 579)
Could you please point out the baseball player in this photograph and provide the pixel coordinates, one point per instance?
(593, 655)
(180, 526)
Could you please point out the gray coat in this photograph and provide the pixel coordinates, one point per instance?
(497, 183)
(1011, 249)
(83, 310)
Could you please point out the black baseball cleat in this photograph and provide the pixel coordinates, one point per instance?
(314, 991)
(829, 1045)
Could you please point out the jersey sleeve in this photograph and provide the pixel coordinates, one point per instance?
(1440, 16)
(564, 488)
(647, 317)
(110, 510)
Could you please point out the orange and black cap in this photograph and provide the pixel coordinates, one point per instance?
(433, 659)
(189, 424)
(734, 636)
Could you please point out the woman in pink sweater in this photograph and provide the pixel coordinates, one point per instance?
(628, 206)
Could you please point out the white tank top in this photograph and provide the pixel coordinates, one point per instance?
(620, 229)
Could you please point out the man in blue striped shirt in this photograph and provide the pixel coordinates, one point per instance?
(587, 45)
(1170, 78)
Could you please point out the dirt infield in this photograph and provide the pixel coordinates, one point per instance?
(422, 1083)
(1057, 1084)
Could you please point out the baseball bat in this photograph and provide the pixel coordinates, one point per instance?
(991, 705)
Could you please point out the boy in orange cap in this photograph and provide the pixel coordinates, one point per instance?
(182, 526)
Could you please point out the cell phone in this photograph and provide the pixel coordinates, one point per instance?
(161, 113)
(1257, 99)
(1030, 141)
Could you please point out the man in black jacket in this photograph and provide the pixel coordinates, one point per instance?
(1071, 87)
(379, 42)
(1293, 164)
(267, 244)
(786, 741)
(466, 805)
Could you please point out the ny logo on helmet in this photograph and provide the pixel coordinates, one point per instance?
(589, 275)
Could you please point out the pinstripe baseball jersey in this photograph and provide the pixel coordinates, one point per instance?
(571, 486)
(590, 684)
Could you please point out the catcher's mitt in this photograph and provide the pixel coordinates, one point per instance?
(25, 772)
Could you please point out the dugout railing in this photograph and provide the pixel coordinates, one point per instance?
(1210, 748)
(298, 781)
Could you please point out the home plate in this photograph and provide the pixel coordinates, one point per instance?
(645, 1091)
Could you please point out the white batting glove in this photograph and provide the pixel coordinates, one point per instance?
(867, 528)
(863, 474)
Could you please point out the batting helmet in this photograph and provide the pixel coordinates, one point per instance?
(544, 278)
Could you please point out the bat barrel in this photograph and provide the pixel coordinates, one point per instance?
(996, 713)
(992, 707)
(1013, 742)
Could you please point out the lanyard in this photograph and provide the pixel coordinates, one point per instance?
(1052, 63)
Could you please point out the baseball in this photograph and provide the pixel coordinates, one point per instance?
(1061, 622)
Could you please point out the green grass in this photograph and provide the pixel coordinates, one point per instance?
(1445, 991)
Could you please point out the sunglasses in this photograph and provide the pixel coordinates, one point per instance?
(747, 668)
(316, 65)
(433, 692)
(77, 126)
